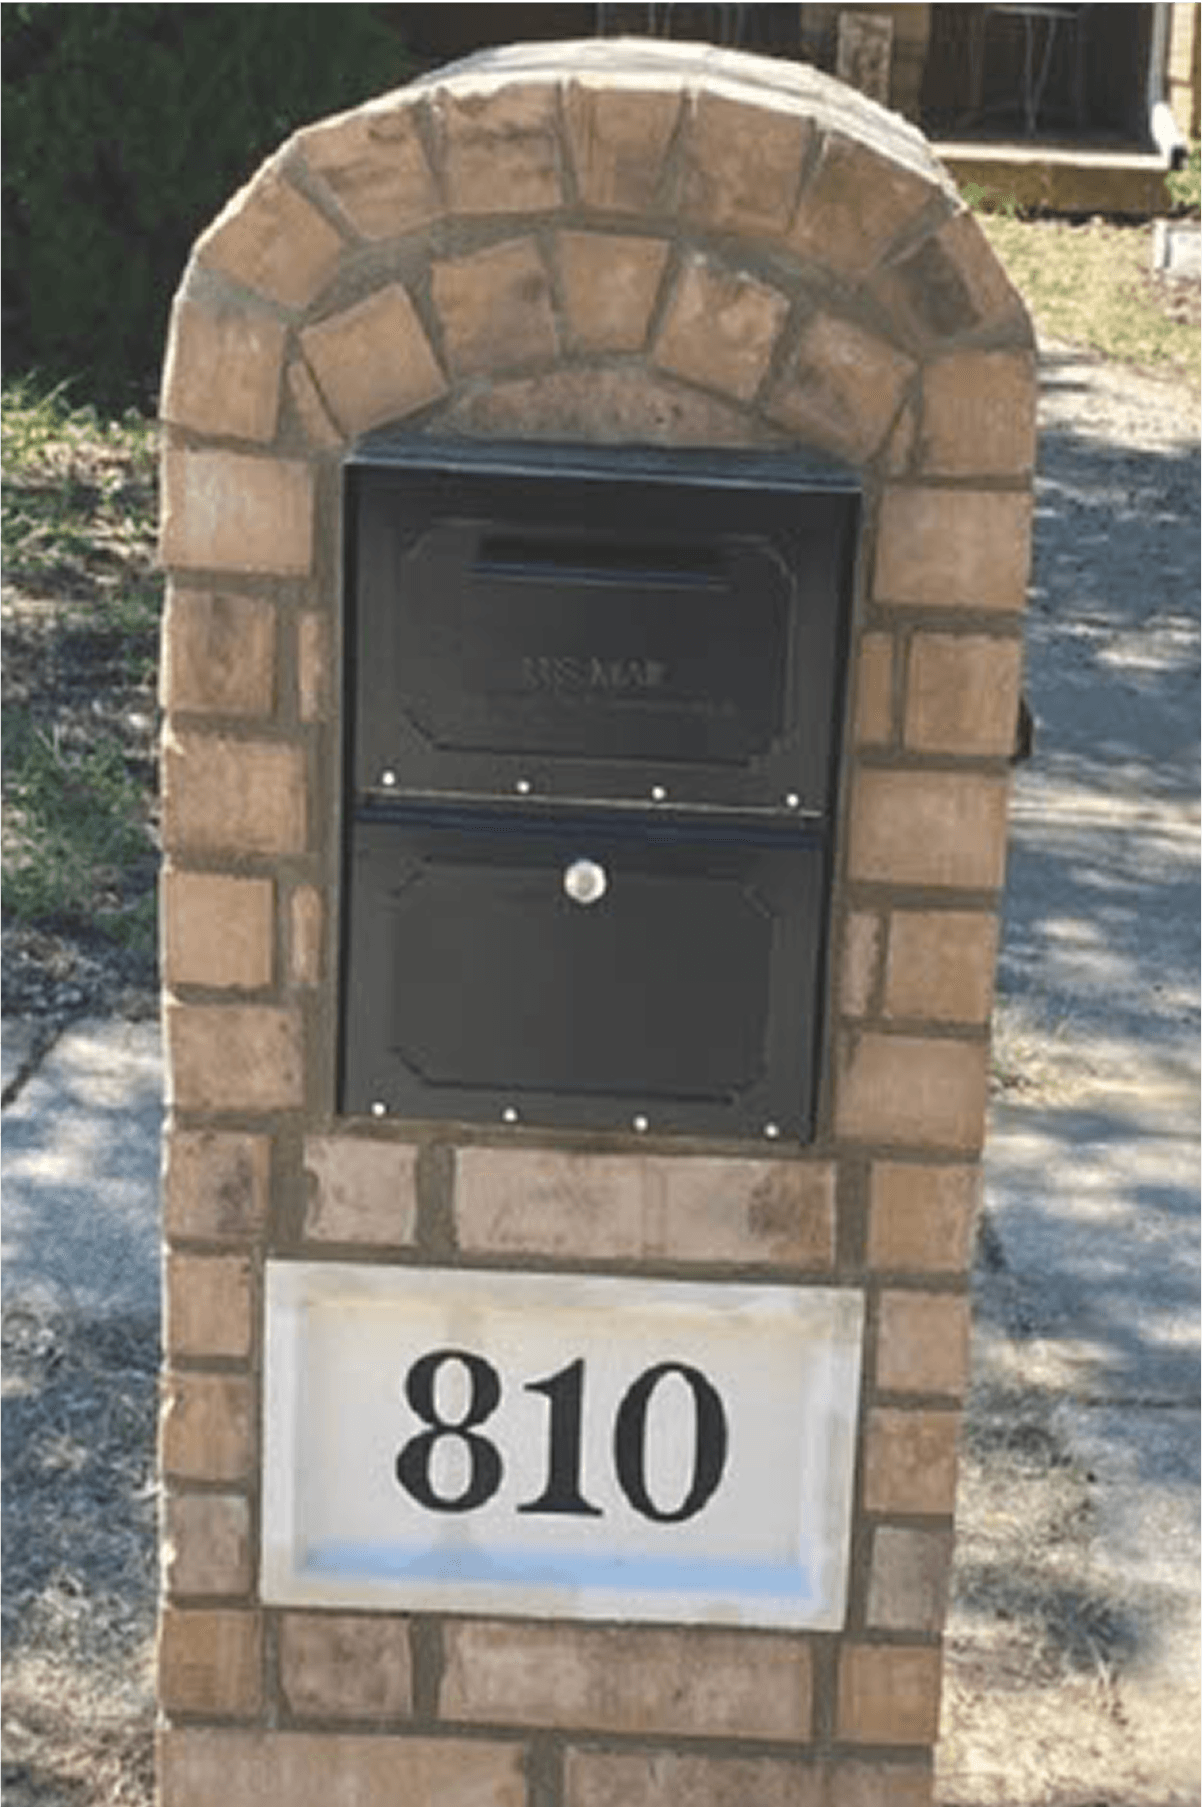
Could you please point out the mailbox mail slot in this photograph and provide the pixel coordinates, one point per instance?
(594, 703)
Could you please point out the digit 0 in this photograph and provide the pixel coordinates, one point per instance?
(709, 1448)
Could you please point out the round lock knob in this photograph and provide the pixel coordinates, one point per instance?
(585, 882)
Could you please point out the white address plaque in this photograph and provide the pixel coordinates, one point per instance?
(558, 1446)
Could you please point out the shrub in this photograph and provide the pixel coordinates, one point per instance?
(125, 130)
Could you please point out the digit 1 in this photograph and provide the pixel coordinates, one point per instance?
(562, 1495)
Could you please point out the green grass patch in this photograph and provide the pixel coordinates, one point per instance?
(81, 607)
(1091, 284)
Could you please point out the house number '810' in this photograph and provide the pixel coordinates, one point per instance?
(564, 1393)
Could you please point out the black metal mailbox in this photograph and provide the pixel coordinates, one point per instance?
(593, 710)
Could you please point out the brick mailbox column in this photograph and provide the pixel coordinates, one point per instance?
(622, 243)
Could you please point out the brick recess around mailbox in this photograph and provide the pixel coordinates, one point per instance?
(607, 242)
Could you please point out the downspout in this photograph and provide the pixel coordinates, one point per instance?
(1166, 134)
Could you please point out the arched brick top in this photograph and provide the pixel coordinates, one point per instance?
(608, 239)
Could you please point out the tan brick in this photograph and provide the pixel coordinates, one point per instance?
(306, 915)
(311, 411)
(619, 131)
(206, 1545)
(373, 362)
(874, 691)
(209, 1302)
(495, 309)
(863, 942)
(199, 1766)
(218, 653)
(909, 1577)
(940, 965)
(951, 284)
(953, 548)
(911, 1090)
(636, 1779)
(743, 164)
(928, 828)
(603, 1207)
(922, 1218)
(210, 1661)
(232, 796)
(208, 1428)
(843, 387)
(879, 1785)
(902, 444)
(217, 930)
(360, 1191)
(854, 205)
(215, 1185)
(222, 372)
(274, 241)
(233, 1057)
(230, 511)
(910, 1460)
(312, 666)
(888, 1695)
(338, 1666)
(606, 406)
(922, 1343)
(501, 145)
(609, 287)
(720, 328)
(962, 694)
(701, 1683)
(374, 162)
(978, 414)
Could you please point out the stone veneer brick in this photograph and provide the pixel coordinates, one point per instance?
(854, 206)
(215, 1185)
(619, 131)
(376, 167)
(342, 1666)
(743, 165)
(888, 1694)
(219, 653)
(373, 362)
(217, 930)
(873, 716)
(908, 1089)
(233, 1057)
(953, 548)
(922, 1343)
(940, 965)
(928, 828)
(637, 1779)
(231, 511)
(609, 287)
(274, 241)
(606, 1207)
(223, 370)
(250, 1768)
(494, 307)
(306, 913)
(222, 795)
(962, 695)
(908, 1585)
(951, 285)
(209, 1300)
(700, 1683)
(720, 328)
(360, 1191)
(206, 1544)
(863, 941)
(922, 1218)
(910, 1460)
(500, 145)
(207, 1431)
(312, 666)
(843, 387)
(210, 1661)
(978, 414)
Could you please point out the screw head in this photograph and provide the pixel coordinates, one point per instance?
(522, 787)
(641, 1125)
(658, 793)
(772, 1131)
(509, 1115)
(379, 1109)
(388, 779)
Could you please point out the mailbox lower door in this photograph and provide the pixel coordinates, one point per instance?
(583, 974)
